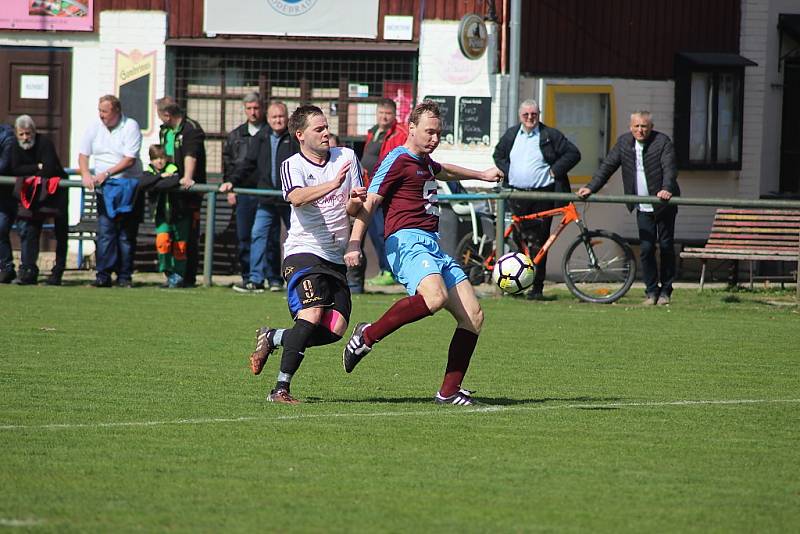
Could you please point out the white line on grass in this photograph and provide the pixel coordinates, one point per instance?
(442, 410)
(20, 522)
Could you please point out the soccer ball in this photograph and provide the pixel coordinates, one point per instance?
(514, 273)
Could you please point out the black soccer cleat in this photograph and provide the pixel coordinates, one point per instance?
(355, 349)
(462, 397)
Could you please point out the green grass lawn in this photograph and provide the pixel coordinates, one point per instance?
(134, 410)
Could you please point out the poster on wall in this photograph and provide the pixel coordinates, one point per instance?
(135, 84)
(304, 18)
(64, 15)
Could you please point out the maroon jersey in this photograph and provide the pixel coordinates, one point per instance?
(407, 184)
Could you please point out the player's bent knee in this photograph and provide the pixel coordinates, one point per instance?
(335, 322)
(435, 300)
(477, 320)
(322, 336)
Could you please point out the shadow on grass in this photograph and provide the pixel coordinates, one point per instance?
(488, 401)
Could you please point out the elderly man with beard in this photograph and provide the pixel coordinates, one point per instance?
(35, 161)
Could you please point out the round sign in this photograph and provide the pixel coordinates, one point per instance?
(472, 36)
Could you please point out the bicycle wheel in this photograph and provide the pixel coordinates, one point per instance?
(599, 267)
(471, 257)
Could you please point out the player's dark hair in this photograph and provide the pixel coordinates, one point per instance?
(157, 151)
(299, 119)
(168, 105)
(426, 106)
(387, 103)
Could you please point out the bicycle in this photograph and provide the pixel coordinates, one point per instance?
(598, 266)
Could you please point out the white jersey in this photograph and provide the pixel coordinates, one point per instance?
(322, 227)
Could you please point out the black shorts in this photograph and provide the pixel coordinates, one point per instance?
(313, 282)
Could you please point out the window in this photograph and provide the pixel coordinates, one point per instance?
(585, 114)
(709, 101)
(345, 85)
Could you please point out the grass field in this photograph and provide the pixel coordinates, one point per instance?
(134, 410)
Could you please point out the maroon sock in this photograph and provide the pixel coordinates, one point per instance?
(461, 348)
(402, 312)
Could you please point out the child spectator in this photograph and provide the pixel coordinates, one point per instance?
(173, 221)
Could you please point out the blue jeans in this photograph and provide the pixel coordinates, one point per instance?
(245, 219)
(375, 230)
(265, 243)
(116, 245)
(7, 214)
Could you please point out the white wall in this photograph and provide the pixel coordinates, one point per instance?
(126, 31)
(93, 72)
(443, 70)
(764, 95)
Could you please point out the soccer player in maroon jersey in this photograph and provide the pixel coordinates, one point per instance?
(405, 185)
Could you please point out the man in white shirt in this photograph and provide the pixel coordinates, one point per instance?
(323, 186)
(113, 141)
(647, 158)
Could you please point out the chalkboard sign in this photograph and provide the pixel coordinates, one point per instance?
(474, 120)
(447, 108)
(136, 101)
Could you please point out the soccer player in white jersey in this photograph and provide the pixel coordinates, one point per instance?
(324, 187)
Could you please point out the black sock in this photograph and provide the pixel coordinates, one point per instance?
(295, 341)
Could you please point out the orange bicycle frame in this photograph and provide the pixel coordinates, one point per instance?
(569, 215)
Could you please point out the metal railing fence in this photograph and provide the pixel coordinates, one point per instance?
(211, 191)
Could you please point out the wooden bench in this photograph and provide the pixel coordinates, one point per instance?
(752, 235)
(86, 227)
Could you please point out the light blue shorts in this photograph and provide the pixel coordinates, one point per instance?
(414, 254)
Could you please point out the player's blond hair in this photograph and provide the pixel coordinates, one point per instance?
(426, 106)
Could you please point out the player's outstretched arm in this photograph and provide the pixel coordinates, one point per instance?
(452, 173)
(301, 196)
(352, 258)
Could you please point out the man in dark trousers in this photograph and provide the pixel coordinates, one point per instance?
(234, 152)
(184, 141)
(270, 148)
(8, 206)
(535, 157)
(34, 156)
(647, 158)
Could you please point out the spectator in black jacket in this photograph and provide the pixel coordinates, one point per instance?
(272, 146)
(648, 165)
(234, 152)
(34, 157)
(535, 157)
(184, 141)
(8, 206)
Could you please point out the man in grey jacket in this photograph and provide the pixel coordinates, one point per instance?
(648, 165)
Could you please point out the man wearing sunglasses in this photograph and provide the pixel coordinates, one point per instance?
(535, 157)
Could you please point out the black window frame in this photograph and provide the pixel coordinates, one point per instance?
(685, 67)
